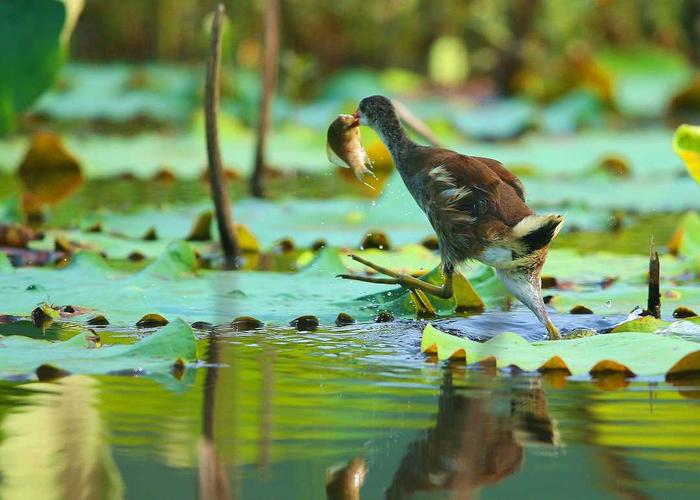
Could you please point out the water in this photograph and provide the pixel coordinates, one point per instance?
(272, 411)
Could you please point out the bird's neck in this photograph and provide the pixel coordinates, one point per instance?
(394, 138)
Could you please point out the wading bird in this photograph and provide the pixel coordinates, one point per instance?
(477, 209)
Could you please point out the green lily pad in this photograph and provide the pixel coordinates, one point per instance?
(31, 53)
(154, 354)
(645, 324)
(632, 353)
(5, 264)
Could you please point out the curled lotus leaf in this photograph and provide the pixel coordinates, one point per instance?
(629, 353)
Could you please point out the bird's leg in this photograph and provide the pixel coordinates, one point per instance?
(405, 280)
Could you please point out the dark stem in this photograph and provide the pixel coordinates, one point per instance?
(219, 191)
(269, 76)
(654, 297)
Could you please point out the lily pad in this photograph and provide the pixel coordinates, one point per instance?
(31, 53)
(632, 353)
(154, 354)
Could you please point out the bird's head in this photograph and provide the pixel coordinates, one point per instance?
(376, 110)
(525, 284)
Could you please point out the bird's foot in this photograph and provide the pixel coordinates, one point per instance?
(405, 280)
(394, 277)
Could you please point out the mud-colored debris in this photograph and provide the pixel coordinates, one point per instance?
(95, 228)
(202, 325)
(549, 282)
(68, 309)
(579, 309)
(384, 316)
(151, 320)
(431, 242)
(136, 256)
(375, 239)
(685, 104)
(98, 320)
(41, 317)
(201, 229)
(229, 175)
(345, 481)
(608, 281)
(151, 235)
(344, 319)
(8, 318)
(16, 235)
(615, 166)
(165, 176)
(547, 299)
(178, 369)
(318, 245)
(616, 221)
(285, 245)
(246, 323)
(33, 210)
(47, 373)
(63, 245)
(49, 171)
(683, 312)
(306, 323)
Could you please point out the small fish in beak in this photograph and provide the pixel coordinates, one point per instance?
(344, 148)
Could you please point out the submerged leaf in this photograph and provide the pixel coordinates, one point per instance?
(633, 352)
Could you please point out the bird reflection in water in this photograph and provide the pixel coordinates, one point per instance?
(478, 438)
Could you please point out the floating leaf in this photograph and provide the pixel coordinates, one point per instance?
(154, 354)
(179, 260)
(686, 144)
(634, 352)
(31, 54)
(645, 324)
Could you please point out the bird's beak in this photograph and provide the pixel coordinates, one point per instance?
(356, 115)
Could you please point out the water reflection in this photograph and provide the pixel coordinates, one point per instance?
(472, 443)
(54, 444)
(213, 480)
(266, 418)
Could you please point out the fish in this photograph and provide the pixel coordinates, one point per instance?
(344, 148)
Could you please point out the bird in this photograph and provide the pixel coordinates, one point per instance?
(477, 209)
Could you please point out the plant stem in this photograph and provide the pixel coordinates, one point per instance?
(219, 191)
(654, 297)
(269, 76)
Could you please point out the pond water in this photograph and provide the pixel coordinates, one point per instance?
(271, 412)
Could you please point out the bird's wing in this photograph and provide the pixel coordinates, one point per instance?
(504, 174)
(476, 188)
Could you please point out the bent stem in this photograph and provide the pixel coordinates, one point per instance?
(219, 191)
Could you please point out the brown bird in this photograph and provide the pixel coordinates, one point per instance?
(477, 209)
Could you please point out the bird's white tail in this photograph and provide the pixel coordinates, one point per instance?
(535, 232)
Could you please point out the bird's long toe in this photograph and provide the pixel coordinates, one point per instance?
(368, 279)
(372, 265)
